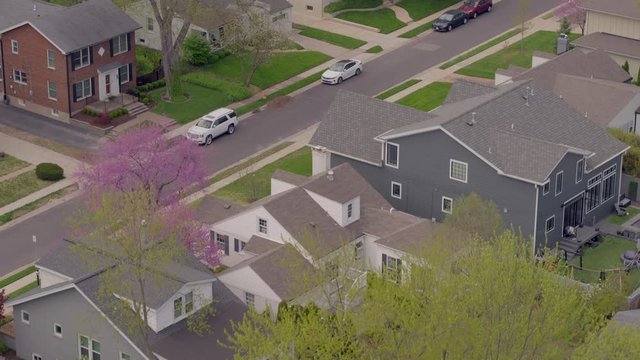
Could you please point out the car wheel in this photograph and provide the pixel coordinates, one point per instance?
(340, 80)
(475, 14)
(489, 8)
(449, 28)
(209, 140)
(231, 129)
(464, 21)
(358, 72)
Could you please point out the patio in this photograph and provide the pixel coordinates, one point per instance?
(113, 103)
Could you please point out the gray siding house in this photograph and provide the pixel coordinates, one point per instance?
(544, 165)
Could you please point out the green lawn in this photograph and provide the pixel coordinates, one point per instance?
(346, 42)
(25, 209)
(20, 186)
(17, 276)
(280, 68)
(539, 41)
(351, 4)
(419, 9)
(22, 290)
(605, 257)
(9, 164)
(384, 19)
(257, 185)
(619, 220)
(397, 89)
(479, 49)
(428, 97)
(201, 101)
(245, 164)
(417, 31)
(375, 49)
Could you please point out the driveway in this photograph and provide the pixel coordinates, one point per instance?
(48, 128)
(266, 128)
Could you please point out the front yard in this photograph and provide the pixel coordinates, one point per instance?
(419, 9)
(257, 185)
(9, 164)
(384, 20)
(605, 256)
(351, 4)
(20, 186)
(201, 101)
(427, 98)
(539, 41)
(346, 42)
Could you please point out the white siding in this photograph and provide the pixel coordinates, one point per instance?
(611, 24)
(48, 277)
(163, 316)
(376, 255)
(243, 280)
(501, 79)
(278, 186)
(333, 208)
(355, 212)
(538, 60)
(301, 6)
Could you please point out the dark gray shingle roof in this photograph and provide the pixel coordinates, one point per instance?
(258, 245)
(13, 12)
(212, 209)
(628, 317)
(289, 178)
(610, 43)
(410, 239)
(464, 89)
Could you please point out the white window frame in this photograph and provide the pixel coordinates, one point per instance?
(260, 226)
(51, 59)
(386, 155)
(55, 89)
(393, 269)
(118, 40)
(546, 222)
(251, 304)
(55, 333)
(559, 173)
(82, 63)
(15, 48)
(399, 196)
(22, 313)
(90, 349)
(359, 250)
(611, 171)
(188, 300)
(445, 198)
(84, 94)
(150, 24)
(594, 181)
(22, 75)
(35, 356)
(581, 161)
(466, 170)
(547, 183)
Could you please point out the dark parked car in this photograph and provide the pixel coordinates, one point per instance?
(450, 20)
(473, 8)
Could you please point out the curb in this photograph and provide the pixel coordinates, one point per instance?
(41, 209)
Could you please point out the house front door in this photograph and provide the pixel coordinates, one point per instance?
(108, 84)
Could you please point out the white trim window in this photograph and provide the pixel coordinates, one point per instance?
(14, 47)
(263, 226)
(81, 58)
(546, 187)
(396, 190)
(592, 195)
(447, 205)
(183, 305)
(51, 59)
(20, 77)
(579, 170)
(250, 300)
(25, 317)
(83, 89)
(392, 268)
(120, 44)
(359, 251)
(458, 170)
(57, 330)
(550, 224)
(392, 155)
(559, 182)
(88, 348)
(609, 183)
(52, 90)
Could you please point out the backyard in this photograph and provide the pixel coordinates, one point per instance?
(512, 55)
(605, 256)
(257, 185)
(619, 220)
(384, 20)
(428, 97)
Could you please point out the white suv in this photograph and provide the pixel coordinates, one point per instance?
(212, 125)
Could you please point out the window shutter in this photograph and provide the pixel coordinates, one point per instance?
(130, 72)
(226, 245)
(90, 54)
(236, 245)
(128, 41)
(111, 47)
(93, 85)
(75, 92)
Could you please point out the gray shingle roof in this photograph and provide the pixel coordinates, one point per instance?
(85, 24)
(289, 178)
(464, 89)
(600, 100)
(258, 245)
(610, 43)
(596, 64)
(13, 12)
(627, 8)
(353, 121)
(410, 239)
(212, 209)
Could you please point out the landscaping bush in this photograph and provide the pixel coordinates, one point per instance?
(196, 50)
(145, 100)
(103, 119)
(3, 347)
(147, 60)
(151, 86)
(49, 172)
(631, 160)
(235, 92)
(134, 92)
(89, 112)
(118, 112)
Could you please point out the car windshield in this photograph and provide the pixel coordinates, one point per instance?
(470, 2)
(204, 123)
(446, 17)
(337, 67)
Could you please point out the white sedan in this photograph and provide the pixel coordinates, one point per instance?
(342, 70)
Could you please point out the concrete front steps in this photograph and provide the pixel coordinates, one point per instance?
(136, 108)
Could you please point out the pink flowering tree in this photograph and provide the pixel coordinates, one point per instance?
(145, 158)
(574, 12)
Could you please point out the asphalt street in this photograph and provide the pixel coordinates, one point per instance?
(266, 128)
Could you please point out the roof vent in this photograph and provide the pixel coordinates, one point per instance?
(473, 119)
(526, 96)
(531, 92)
(330, 175)
(490, 151)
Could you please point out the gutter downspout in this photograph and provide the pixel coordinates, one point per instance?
(69, 92)
(4, 78)
(535, 220)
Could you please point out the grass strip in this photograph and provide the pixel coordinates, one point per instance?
(9, 164)
(346, 42)
(417, 31)
(284, 91)
(480, 49)
(419, 9)
(16, 188)
(25, 209)
(374, 50)
(245, 164)
(396, 89)
(427, 98)
(22, 290)
(17, 276)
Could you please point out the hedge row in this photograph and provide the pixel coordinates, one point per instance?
(118, 112)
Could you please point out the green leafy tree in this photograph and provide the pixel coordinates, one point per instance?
(196, 50)
(631, 159)
(615, 342)
(565, 26)
(475, 216)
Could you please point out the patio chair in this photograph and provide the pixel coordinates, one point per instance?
(630, 259)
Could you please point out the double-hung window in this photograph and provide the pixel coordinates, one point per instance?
(250, 300)
(579, 170)
(124, 74)
(546, 187)
(392, 155)
(51, 59)
(178, 307)
(52, 91)
(609, 183)
(458, 170)
(447, 205)
(550, 224)
(119, 44)
(392, 268)
(14, 46)
(592, 195)
(262, 226)
(188, 302)
(83, 89)
(20, 77)
(396, 190)
(81, 58)
(150, 24)
(89, 348)
(559, 180)
(349, 211)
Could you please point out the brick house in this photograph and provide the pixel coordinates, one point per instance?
(57, 63)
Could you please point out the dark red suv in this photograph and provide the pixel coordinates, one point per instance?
(473, 8)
